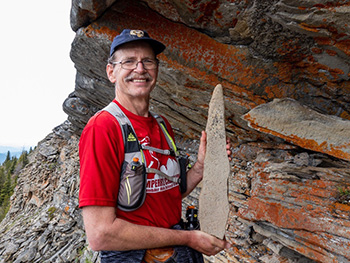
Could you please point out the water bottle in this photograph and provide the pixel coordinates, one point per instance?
(192, 218)
(135, 163)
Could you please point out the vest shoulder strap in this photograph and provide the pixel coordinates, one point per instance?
(131, 144)
(164, 129)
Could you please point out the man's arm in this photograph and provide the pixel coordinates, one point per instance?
(107, 232)
(195, 174)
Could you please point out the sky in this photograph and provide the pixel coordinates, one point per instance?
(36, 74)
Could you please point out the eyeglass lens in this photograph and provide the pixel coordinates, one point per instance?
(132, 64)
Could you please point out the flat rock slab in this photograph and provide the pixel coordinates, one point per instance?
(302, 126)
(213, 199)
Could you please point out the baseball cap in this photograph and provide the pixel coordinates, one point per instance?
(130, 35)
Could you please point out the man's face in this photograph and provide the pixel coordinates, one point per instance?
(133, 83)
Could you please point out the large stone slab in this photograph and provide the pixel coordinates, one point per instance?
(213, 200)
(300, 125)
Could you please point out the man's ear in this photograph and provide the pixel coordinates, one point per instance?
(110, 73)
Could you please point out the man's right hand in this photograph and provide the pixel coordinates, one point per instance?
(206, 243)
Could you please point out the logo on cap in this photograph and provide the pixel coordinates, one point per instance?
(138, 33)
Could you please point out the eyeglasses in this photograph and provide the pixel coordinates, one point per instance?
(132, 63)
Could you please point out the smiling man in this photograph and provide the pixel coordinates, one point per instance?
(130, 174)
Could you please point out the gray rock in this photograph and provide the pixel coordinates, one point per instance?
(26, 256)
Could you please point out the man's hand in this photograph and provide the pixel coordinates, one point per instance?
(228, 149)
(207, 244)
(202, 149)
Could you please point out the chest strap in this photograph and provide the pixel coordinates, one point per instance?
(156, 171)
(150, 148)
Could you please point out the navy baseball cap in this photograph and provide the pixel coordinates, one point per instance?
(129, 35)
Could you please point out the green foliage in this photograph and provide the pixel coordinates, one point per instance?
(8, 179)
(8, 157)
(23, 159)
(344, 191)
(51, 211)
(344, 195)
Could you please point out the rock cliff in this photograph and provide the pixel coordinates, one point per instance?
(289, 185)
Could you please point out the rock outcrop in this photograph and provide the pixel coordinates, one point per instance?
(288, 202)
(44, 222)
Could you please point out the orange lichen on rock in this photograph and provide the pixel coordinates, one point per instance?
(341, 207)
(274, 92)
(302, 8)
(194, 53)
(311, 144)
(344, 45)
(304, 208)
(94, 31)
(337, 151)
(308, 27)
(331, 52)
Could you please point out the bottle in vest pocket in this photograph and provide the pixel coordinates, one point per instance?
(135, 163)
(132, 188)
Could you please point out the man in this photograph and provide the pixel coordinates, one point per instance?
(132, 235)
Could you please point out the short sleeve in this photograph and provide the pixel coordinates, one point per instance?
(101, 155)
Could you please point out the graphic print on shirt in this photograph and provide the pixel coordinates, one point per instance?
(171, 168)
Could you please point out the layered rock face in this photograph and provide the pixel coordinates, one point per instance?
(289, 185)
(258, 50)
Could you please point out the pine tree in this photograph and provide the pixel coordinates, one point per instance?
(8, 181)
(8, 157)
(23, 159)
(12, 165)
(6, 187)
(2, 183)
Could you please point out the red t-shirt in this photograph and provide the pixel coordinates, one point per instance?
(101, 151)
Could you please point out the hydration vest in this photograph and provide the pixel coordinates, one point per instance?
(133, 177)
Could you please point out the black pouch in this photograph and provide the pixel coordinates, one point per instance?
(183, 162)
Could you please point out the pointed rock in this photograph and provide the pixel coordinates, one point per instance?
(213, 200)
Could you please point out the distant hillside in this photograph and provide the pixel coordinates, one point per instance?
(2, 157)
(14, 151)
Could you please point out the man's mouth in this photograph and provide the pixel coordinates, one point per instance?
(138, 79)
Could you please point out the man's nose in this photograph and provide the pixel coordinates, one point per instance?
(139, 67)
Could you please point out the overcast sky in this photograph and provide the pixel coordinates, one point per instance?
(36, 71)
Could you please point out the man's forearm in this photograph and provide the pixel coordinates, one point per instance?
(142, 237)
(194, 176)
(131, 237)
(106, 232)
